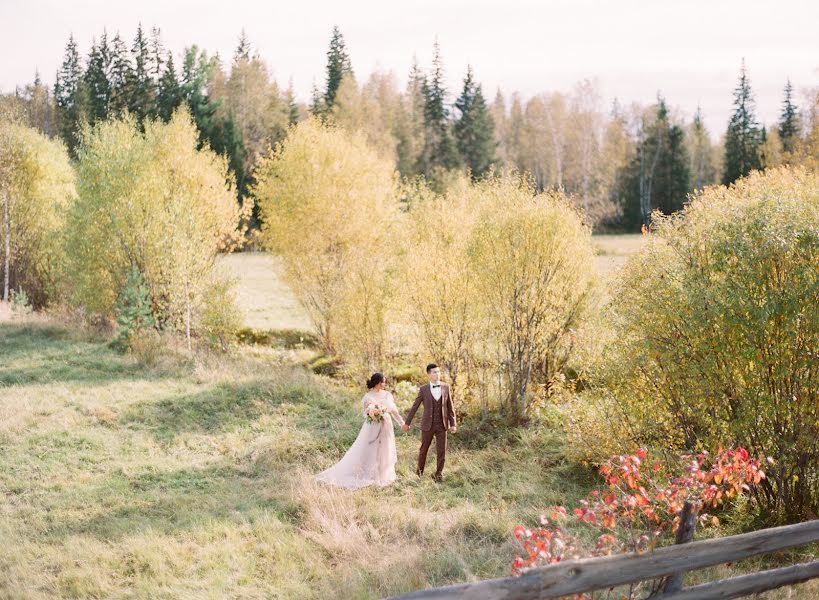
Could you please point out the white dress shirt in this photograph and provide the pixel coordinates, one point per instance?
(436, 391)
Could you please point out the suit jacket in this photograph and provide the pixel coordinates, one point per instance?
(425, 396)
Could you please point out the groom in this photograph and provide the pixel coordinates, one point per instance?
(438, 418)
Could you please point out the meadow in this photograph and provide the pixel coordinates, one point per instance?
(267, 303)
(192, 477)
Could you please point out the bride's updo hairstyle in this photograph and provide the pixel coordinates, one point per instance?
(374, 380)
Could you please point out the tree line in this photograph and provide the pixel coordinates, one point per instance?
(617, 165)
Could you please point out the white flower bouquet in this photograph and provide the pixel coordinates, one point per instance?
(374, 413)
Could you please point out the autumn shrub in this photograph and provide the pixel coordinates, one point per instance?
(640, 506)
(536, 283)
(716, 331)
(328, 202)
(156, 200)
(437, 294)
(36, 190)
(497, 280)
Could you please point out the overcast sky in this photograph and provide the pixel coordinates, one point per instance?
(689, 50)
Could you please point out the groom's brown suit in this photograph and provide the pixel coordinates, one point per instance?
(439, 415)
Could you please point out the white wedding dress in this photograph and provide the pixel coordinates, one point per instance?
(372, 457)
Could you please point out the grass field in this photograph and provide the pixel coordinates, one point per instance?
(267, 303)
(193, 478)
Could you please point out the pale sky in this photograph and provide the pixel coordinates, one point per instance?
(689, 50)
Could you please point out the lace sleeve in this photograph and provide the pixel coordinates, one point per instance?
(393, 409)
(364, 403)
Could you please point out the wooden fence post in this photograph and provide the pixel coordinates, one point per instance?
(685, 533)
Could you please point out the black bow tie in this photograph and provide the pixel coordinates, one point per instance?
(435, 385)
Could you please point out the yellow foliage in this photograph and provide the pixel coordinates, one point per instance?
(497, 280)
(151, 199)
(329, 203)
(715, 323)
(37, 184)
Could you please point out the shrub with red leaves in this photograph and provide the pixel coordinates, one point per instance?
(639, 506)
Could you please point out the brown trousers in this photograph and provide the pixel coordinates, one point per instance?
(440, 449)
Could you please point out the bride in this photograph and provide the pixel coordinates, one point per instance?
(372, 457)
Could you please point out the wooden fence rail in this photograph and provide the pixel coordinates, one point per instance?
(589, 574)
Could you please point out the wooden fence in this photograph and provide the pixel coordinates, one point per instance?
(669, 562)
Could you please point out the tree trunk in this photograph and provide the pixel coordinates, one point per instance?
(685, 533)
(7, 245)
(187, 314)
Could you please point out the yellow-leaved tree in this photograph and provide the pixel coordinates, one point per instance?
(497, 281)
(155, 201)
(36, 190)
(715, 338)
(437, 286)
(536, 282)
(328, 203)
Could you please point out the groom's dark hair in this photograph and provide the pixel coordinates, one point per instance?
(431, 366)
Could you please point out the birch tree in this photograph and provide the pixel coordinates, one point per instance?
(151, 200)
(36, 189)
(328, 202)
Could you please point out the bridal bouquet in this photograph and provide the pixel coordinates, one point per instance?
(375, 413)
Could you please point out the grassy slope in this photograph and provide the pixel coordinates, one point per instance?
(195, 481)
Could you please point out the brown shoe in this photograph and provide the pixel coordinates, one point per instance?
(438, 478)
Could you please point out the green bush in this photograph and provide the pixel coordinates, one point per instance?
(290, 339)
(325, 365)
(221, 320)
(717, 335)
(133, 309)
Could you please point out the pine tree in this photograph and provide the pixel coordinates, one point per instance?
(157, 57)
(701, 154)
(317, 106)
(120, 77)
(500, 118)
(133, 308)
(439, 153)
(96, 80)
(39, 106)
(658, 176)
(242, 49)
(789, 121)
(338, 65)
(293, 107)
(221, 134)
(70, 96)
(169, 93)
(516, 132)
(410, 131)
(672, 180)
(474, 129)
(142, 100)
(226, 139)
(743, 138)
(195, 78)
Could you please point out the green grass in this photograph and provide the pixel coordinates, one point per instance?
(195, 481)
(267, 303)
(612, 251)
(193, 478)
(265, 300)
